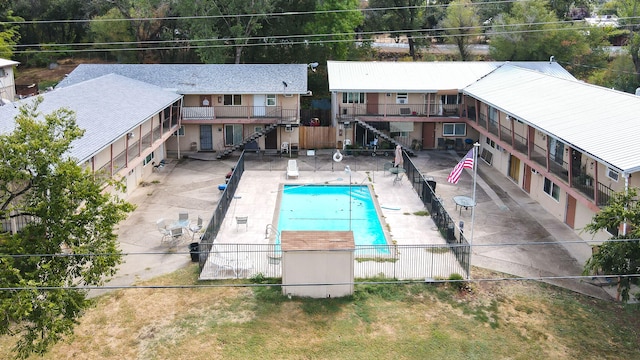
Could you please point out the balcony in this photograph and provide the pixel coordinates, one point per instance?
(350, 111)
(539, 155)
(584, 184)
(505, 135)
(272, 114)
(559, 169)
(520, 144)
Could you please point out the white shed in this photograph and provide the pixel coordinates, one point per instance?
(317, 264)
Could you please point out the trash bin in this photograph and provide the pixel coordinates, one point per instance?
(451, 235)
(194, 249)
(427, 193)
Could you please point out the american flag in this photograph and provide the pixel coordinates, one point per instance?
(466, 162)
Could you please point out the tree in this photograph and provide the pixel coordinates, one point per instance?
(400, 17)
(341, 25)
(462, 24)
(9, 35)
(69, 240)
(531, 32)
(618, 258)
(230, 25)
(102, 30)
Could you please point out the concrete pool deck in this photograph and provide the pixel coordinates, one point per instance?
(505, 215)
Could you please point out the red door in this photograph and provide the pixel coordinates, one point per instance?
(428, 135)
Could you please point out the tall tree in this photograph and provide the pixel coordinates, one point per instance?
(462, 25)
(339, 19)
(618, 258)
(146, 18)
(9, 34)
(230, 25)
(69, 241)
(400, 18)
(531, 32)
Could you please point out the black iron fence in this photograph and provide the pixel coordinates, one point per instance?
(425, 187)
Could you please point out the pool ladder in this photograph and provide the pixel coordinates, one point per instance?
(270, 230)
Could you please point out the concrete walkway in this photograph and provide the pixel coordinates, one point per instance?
(511, 232)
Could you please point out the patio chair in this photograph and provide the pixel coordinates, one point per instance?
(177, 235)
(242, 220)
(387, 166)
(196, 228)
(292, 169)
(183, 216)
(237, 263)
(162, 228)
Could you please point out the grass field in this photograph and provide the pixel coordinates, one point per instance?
(488, 320)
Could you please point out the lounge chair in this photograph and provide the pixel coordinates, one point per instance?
(292, 169)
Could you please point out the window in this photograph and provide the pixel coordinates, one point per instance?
(551, 189)
(232, 134)
(490, 142)
(493, 116)
(454, 129)
(612, 174)
(233, 100)
(147, 159)
(353, 98)
(450, 99)
(402, 98)
(271, 99)
(556, 150)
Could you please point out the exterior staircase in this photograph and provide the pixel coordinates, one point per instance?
(386, 137)
(223, 154)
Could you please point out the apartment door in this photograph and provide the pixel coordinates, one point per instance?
(372, 104)
(271, 140)
(259, 105)
(514, 168)
(206, 138)
(571, 211)
(428, 135)
(526, 181)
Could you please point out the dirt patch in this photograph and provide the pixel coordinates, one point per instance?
(49, 75)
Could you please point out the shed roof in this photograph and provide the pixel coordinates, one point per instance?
(601, 122)
(204, 79)
(366, 76)
(5, 62)
(107, 108)
(316, 240)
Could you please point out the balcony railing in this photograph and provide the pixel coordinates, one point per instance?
(604, 194)
(482, 120)
(493, 128)
(539, 155)
(520, 144)
(349, 111)
(561, 170)
(240, 112)
(505, 134)
(471, 113)
(584, 184)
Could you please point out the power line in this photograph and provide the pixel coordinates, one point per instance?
(257, 285)
(271, 14)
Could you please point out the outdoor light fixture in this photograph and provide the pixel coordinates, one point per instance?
(130, 135)
(313, 66)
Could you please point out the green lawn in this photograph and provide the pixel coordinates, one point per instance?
(490, 320)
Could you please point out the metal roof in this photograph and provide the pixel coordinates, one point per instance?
(107, 108)
(600, 122)
(204, 79)
(5, 62)
(363, 76)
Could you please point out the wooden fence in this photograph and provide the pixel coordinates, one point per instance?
(317, 137)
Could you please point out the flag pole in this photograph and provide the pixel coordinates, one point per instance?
(476, 146)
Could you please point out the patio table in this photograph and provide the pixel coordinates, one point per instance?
(463, 202)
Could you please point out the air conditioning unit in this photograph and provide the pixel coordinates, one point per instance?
(534, 171)
(3, 73)
(402, 101)
(288, 128)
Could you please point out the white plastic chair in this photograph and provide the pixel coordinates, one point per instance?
(162, 228)
(196, 228)
(242, 220)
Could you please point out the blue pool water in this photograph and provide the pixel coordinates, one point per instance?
(327, 208)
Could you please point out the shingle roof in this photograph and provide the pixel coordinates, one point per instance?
(107, 108)
(363, 76)
(601, 122)
(204, 79)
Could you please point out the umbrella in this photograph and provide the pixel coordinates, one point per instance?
(398, 161)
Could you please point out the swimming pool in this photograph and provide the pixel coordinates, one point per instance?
(332, 208)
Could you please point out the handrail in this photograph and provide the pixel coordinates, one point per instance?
(269, 229)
